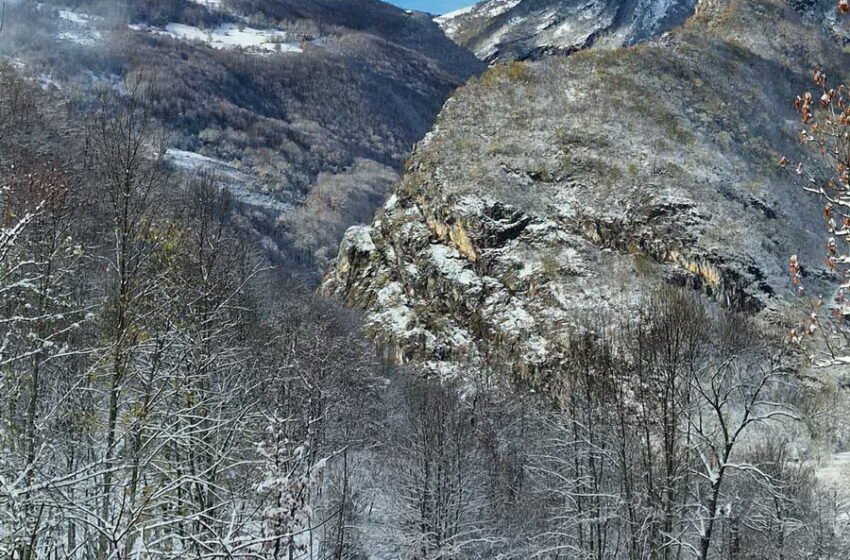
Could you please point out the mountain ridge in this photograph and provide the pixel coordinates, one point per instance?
(552, 191)
(504, 30)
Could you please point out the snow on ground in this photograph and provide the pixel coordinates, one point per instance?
(536, 350)
(75, 17)
(241, 185)
(837, 470)
(448, 16)
(47, 82)
(490, 47)
(514, 320)
(212, 4)
(228, 36)
(495, 9)
(835, 474)
(360, 238)
(79, 28)
(397, 316)
(450, 22)
(114, 81)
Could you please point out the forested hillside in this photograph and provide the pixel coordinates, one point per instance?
(597, 319)
(147, 350)
(309, 109)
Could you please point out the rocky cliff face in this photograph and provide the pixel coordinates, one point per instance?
(500, 30)
(555, 191)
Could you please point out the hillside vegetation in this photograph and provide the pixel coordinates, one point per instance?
(329, 94)
(576, 184)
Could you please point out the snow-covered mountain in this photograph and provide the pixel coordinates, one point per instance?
(499, 30)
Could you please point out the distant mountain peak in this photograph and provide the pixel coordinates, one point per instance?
(499, 30)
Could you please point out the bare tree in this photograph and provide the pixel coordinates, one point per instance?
(125, 160)
(736, 391)
(437, 501)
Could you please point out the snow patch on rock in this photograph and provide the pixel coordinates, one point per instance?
(451, 264)
(359, 237)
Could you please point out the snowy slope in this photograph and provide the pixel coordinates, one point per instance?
(228, 36)
(79, 27)
(241, 185)
(498, 30)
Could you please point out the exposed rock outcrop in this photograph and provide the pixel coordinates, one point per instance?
(552, 191)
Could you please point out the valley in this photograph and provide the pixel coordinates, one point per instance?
(337, 280)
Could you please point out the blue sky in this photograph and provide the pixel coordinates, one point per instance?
(433, 6)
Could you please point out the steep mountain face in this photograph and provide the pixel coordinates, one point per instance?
(553, 192)
(305, 110)
(500, 30)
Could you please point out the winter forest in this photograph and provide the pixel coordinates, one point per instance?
(170, 389)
